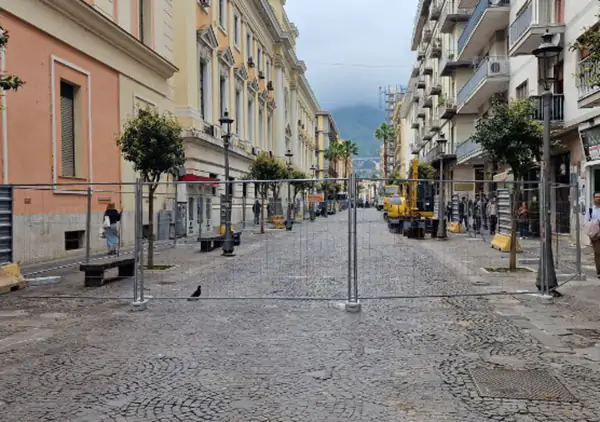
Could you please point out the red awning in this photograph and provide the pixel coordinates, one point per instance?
(195, 178)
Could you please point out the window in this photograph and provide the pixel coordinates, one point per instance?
(144, 21)
(268, 70)
(202, 85)
(251, 120)
(559, 77)
(270, 131)
(259, 59)
(223, 95)
(237, 30)
(261, 129)
(214, 192)
(249, 45)
(238, 112)
(67, 128)
(230, 187)
(223, 14)
(74, 240)
(523, 90)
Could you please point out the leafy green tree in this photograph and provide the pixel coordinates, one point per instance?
(8, 82)
(589, 43)
(386, 134)
(511, 137)
(152, 142)
(300, 183)
(333, 153)
(269, 170)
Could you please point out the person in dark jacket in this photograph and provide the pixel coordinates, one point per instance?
(463, 211)
(112, 217)
(256, 208)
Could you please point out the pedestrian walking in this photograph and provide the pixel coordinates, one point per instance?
(492, 212)
(256, 209)
(484, 211)
(463, 213)
(477, 205)
(112, 217)
(593, 230)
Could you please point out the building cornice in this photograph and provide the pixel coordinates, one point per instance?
(87, 16)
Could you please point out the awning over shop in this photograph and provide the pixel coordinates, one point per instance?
(196, 178)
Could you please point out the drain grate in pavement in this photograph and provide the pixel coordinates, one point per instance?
(520, 385)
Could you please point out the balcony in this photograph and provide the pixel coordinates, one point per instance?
(416, 96)
(488, 17)
(416, 147)
(427, 136)
(428, 102)
(490, 77)
(421, 53)
(421, 113)
(421, 84)
(525, 32)
(415, 125)
(435, 89)
(467, 151)
(451, 15)
(557, 108)
(427, 33)
(416, 69)
(427, 69)
(447, 108)
(588, 83)
(434, 125)
(466, 4)
(449, 63)
(436, 48)
(435, 9)
(432, 155)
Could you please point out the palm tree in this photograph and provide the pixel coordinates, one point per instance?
(333, 153)
(347, 149)
(386, 134)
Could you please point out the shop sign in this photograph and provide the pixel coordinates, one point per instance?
(591, 143)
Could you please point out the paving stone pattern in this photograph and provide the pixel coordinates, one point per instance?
(239, 360)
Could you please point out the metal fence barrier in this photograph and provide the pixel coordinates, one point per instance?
(294, 239)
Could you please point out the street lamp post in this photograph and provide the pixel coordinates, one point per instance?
(441, 232)
(546, 54)
(312, 190)
(288, 220)
(228, 245)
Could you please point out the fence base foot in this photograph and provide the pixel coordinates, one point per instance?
(139, 305)
(352, 307)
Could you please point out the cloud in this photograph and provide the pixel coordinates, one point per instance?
(352, 47)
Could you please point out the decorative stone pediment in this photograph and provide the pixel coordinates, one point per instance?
(241, 72)
(226, 57)
(253, 85)
(208, 37)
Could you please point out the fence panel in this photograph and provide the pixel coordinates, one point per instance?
(280, 252)
(394, 262)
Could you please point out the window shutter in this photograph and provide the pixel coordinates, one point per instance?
(67, 123)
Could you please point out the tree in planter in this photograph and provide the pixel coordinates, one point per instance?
(300, 184)
(270, 170)
(385, 133)
(8, 82)
(511, 137)
(589, 45)
(152, 142)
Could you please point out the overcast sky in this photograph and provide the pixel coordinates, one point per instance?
(369, 39)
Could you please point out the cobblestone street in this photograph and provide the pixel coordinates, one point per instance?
(412, 359)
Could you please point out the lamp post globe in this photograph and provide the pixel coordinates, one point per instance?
(228, 242)
(441, 232)
(547, 54)
(288, 220)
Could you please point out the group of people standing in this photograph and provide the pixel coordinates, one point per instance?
(479, 214)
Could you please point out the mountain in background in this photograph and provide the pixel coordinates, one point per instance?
(359, 124)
